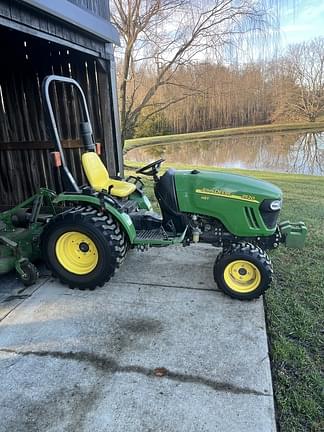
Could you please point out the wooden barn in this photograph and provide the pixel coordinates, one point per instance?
(66, 37)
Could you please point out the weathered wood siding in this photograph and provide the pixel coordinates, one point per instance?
(24, 143)
(20, 13)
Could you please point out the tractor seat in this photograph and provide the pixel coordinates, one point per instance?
(99, 179)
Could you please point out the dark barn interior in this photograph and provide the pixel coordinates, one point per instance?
(35, 42)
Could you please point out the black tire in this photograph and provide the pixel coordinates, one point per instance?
(31, 273)
(256, 260)
(102, 231)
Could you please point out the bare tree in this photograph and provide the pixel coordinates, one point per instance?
(223, 96)
(163, 35)
(305, 69)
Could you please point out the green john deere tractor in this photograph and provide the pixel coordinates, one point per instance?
(85, 241)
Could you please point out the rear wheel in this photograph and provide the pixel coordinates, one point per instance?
(243, 271)
(83, 247)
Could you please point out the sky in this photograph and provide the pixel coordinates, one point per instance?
(302, 22)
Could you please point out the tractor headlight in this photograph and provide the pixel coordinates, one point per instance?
(275, 205)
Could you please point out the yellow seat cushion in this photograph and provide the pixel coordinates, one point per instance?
(99, 179)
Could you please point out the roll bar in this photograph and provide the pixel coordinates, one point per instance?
(86, 132)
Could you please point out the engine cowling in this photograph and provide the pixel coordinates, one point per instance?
(242, 204)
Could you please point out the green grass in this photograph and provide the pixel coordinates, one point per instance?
(295, 308)
(294, 305)
(247, 130)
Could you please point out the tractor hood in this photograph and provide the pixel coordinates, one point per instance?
(232, 186)
(235, 200)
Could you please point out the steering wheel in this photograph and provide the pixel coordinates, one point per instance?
(151, 169)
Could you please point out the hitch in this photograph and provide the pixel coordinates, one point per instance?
(293, 235)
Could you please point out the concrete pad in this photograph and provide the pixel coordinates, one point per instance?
(13, 292)
(189, 267)
(86, 361)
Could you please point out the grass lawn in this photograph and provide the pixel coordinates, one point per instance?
(246, 130)
(294, 305)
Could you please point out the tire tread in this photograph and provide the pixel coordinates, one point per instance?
(255, 253)
(103, 223)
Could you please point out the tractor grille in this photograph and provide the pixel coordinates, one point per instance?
(250, 215)
(269, 216)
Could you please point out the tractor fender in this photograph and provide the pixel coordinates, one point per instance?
(124, 220)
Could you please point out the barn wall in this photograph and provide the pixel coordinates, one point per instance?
(24, 143)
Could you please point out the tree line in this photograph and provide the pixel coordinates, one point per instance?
(167, 85)
(212, 96)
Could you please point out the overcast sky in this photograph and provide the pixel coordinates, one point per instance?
(303, 22)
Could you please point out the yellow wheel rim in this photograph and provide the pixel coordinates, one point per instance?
(76, 252)
(242, 276)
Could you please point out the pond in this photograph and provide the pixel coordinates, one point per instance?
(301, 153)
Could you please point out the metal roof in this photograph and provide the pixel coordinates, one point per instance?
(78, 17)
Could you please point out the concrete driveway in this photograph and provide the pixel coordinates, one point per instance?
(158, 349)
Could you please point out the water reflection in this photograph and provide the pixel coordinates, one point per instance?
(289, 152)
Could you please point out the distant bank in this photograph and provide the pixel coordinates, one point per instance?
(268, 128)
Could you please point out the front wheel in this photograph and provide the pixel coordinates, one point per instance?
(83, 247)
(243, 271)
